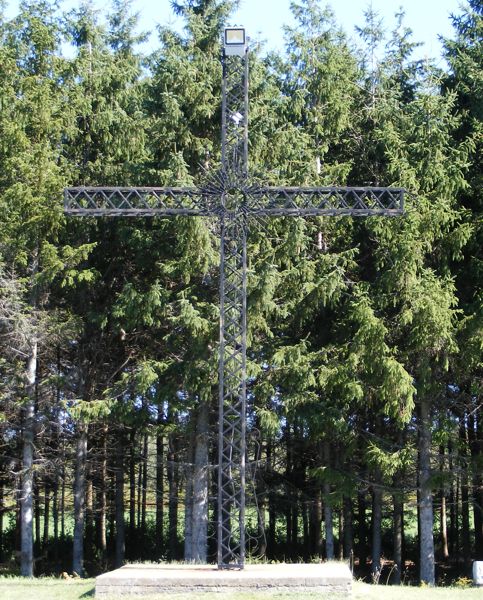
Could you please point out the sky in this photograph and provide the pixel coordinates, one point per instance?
(427, 18)
(264, 19)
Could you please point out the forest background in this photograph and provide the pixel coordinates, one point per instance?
(365, 338)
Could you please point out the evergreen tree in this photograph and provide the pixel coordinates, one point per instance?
(31, 181)
(464, 54)
(106, 147)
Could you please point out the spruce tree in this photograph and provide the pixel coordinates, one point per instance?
(464, 55)
(32, 179)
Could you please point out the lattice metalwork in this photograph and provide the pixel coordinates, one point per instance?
(234, 131)
(230, 196)
(232, 409)
(135, 202)
(252, 200)
(326, 201)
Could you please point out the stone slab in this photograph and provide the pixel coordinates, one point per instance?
(139, 579)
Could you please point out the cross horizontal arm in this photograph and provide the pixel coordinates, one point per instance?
(326, 201)
(136, 202)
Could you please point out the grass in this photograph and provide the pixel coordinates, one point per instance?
(45, 588)
(364, 591)
(15, 588)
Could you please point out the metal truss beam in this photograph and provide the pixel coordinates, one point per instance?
(233, 315)
(135, 202)
(326, 201)
(232, 394)
(254, 201)
(234, 126)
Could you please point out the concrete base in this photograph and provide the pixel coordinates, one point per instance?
(155, 579)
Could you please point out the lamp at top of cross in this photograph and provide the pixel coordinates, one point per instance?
(234, 200)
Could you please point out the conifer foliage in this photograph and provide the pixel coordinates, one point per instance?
(365, 430)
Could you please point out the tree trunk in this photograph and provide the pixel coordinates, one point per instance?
(376, 523)
(426, 541)
(453, 520)
(188, 516)
(159, 488)
(26, 496)
(173, 499)
(442, 514)
(140, 487)
(188, 495)
(288, 477)
(288, 523)
(465, 507)
(316, 524)
(272, 516)
(306, 532)
(62, 501)
(37, 538)
(144, 494)
(261, 528)
(55, 496)
(55, 509)
(262, 501)
(475, 431)
(329, 525)
(119, 502)
(362, 530)
(340, 545)
(465, 518)
(111, 503)
(45, 537)
(295, 526)
(348, 528)
(457, 488)
(2, 508)
(443, 527)
(18, 493)
(398, 532)
(89, 525)
(132, 493)
(200, 487)
(55, 516)
(102, 497)
(79, 501)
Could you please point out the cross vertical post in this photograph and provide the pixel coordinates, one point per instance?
(232, 403)
(230, 197)
(233, 313)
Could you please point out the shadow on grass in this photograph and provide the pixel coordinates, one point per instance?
(89, 594)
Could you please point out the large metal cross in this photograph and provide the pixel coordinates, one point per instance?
(231, 197)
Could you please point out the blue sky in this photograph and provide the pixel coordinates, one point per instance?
(427, 18)
(264, 19)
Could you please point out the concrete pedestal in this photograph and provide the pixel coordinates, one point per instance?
(156, 579)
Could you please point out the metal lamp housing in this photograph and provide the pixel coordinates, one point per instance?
(234, 41)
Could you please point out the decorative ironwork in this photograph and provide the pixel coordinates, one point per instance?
(234, 129)
(232, 403)
(251, 200)
(233, 314)
(326, 201)
(134, 202)
(231, 197)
